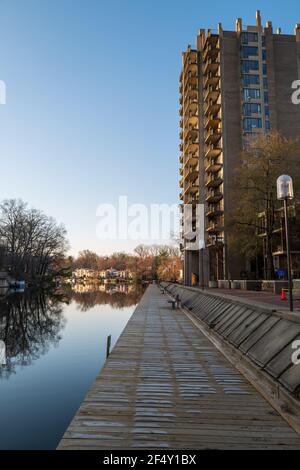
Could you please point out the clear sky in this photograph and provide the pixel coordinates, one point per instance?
(92, 100)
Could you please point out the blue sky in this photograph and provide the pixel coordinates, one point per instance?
(92, 100)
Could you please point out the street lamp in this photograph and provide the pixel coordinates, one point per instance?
(285, 192)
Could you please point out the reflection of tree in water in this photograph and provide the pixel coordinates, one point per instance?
(29, 326)
(31, 323)
(117, 299)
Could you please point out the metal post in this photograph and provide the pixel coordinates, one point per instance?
(108, 343)
(202, 268)
(288, 255)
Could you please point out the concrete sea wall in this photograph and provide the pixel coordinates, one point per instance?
(266, 337)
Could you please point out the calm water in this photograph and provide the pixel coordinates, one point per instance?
(55, 347)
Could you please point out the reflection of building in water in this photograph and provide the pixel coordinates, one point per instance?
(116, 295)
(107, 288)
(91, 274)
(83, 288)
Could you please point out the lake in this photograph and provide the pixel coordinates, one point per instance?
(55, 346)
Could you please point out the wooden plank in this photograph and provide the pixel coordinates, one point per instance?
(165, 385)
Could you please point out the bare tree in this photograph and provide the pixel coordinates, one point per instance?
(33, 242)
(254, 192)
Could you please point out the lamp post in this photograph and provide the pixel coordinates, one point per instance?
(285, 192)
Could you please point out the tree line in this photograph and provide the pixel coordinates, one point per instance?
(33, 246)
(147, 262)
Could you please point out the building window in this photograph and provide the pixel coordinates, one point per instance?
(251, 108)
(248, 51)
(266, 97)
(265, 69)
(248, 65)
(268, 126)
(252, 123)
(264, 55)
(263, 41)
(265, 83)
(247, 37)
(250, 80)
(267, 110)
(251, 93)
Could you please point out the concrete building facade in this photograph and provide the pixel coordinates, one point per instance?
(233, 85)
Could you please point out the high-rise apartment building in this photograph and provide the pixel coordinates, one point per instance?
(233, 84)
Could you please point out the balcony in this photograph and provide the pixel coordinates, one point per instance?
(191, 106)
(192, 145)
(214, 211)
(181, 159)
(191, 74)
(192, 199)
(192, 120)
(181, 183)
(211, 51)
(181, 171)
(192, 81)
(214, 182)
(191, 66)
(212, 122)
(216, 241)
(192, 159)
(192, 174)
(213, 152)
(211, 80)
(212, 108)
(192, 188)
(181, 196)
(213, 137)
(191, 133)
(191, 92)
(211, 38)
(211, 66)
(212, 94)
(213, 197)
(191, 59)
(214, 228)
(213, 166)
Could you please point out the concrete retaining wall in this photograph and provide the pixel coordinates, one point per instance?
(274, 286)
(263, 336)
(244, 284)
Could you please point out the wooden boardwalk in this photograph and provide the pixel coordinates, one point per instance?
(165, 386)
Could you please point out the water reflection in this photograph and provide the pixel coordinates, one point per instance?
(55, 345)
(32, 322)
(118, 296)
(29, 325)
